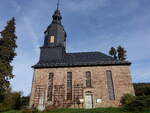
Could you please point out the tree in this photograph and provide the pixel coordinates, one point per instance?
(142, 89)
(12, 100)
(7, 54)
(113, 52)
(121, 53)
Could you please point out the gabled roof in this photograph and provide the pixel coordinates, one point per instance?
(82, 59)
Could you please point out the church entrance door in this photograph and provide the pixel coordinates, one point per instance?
(88, 101)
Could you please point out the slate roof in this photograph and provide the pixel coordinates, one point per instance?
(82, 59)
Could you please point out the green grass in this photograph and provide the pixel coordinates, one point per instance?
(13, 111)
(97, 110)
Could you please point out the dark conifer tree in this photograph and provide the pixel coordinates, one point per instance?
(113, 52)
(7, 54)
(121, 53)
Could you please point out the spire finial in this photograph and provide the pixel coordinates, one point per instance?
(58, 3)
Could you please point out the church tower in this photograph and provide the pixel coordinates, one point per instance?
(55, 40)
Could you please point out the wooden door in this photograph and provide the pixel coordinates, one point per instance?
(88, 101)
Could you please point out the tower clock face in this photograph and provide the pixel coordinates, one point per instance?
(52, 39)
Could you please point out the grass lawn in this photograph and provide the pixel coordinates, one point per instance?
(97, 110)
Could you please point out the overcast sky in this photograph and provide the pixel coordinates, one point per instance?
(91, 25)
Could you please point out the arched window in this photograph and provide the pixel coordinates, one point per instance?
(69, 86)
(110, 85)
(88, 79)
(50, 86)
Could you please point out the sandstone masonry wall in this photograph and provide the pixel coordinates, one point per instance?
(120, 74)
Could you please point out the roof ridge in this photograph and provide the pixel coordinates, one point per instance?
(85, 52)
(91, 52)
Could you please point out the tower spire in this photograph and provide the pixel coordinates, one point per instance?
(58, 3)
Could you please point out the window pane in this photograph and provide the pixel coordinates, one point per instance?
(88, 79)
(69, 76)
(51, 75)
(69, 86)
(52, 39)
(110, 85)
(50, 87)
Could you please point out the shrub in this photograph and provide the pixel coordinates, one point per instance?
(24, 101)
(127, 98)
(34, 110)
(11, 100)
(139, 104)
(3, 107)
(136, 103)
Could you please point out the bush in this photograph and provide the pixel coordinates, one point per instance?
(11, 100)
(127, 98)
(3, 107)
(34, 110)
(137, 104)
(24, 101)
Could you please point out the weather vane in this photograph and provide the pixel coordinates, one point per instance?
(58, 3)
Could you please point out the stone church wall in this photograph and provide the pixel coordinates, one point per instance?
(120, 75)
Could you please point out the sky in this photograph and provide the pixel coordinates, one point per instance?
(91, 25)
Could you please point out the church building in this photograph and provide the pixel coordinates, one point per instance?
(76, 80)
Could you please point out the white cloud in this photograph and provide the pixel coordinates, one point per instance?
(33, 37)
